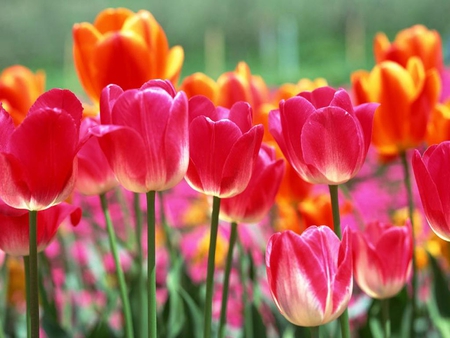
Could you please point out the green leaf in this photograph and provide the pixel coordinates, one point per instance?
(440, 290)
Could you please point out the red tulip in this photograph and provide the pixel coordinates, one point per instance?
(320, 133)
(431, 172)
(382, 258)
(94, 173)
(253, 204)
(14, 229)
(310, 275)
(38, 166)
(144, 135)
(223, 147)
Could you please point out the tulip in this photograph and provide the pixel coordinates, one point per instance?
(382, 258)
(431, 172)
(144, 135)
(310, 275)
(19, 88)
(14, 229)
(38, 164)
(123, 48)
(231, 87)
(253, 204)
(407, 97)
(322, 136)
(223, 147)
(415, 41)
(95, 176)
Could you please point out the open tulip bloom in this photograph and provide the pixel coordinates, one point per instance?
(322, 135)
(310, 275)
(38, 165)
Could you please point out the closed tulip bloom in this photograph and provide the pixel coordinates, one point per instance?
(310, 275)
(416, 41)
(431, 172)
(95, 176)
(382, 258)
(19, 88)
(14, 229)
(322, 136)
(223, 147)
(38, 165)
(406, 96)
(253, 204)
(123, 48)
(144, 135)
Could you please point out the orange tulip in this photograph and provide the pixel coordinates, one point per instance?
(414, 41)
(19, 88)
(407, 97)
(438, 129)
(123, 48)
(231, 87)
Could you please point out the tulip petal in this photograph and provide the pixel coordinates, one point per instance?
(211, 143)
(200, 105)
(174, 63)
(364, 113)
(199, 84)
(112, 19)
(430, 198)
(107, 100)
(342, 99)
(6, 129)
(126, 154)
(241, 114)
(320, 97)
(332, 142)
(238, 166)
(343, 281)
(232, 88)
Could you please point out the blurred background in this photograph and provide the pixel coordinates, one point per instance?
(282, 40)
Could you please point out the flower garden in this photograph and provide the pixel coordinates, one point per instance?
(156, 205)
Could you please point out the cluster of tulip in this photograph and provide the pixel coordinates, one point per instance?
(262, 156)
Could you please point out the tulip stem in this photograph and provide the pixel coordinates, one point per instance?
(151, 261)
(407, 181)
(211, 261)
(334, 195)
(26, 264)
(385, 317)
(140, 318)
(314, 331)
(243, 270)
(33, 304)
(226, 280)
(3, 306)
(119, 271)
(166, 229)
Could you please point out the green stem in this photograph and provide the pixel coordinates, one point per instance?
(33, 276)
(407, 182)
(243, 273)
(4, 277)
(151, 261)
(314, 331)
(26, 264)
(166, 229)
(210, 273)
(345, 327)
(141, 322)
(385, 317)
(226, 280)
(120, 276)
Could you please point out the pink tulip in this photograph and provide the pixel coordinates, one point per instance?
(253, 204)
(38, 167)
(432, 171)
(144, 135)
(310, 275)
(14, 229)
(323, 137)
(223, 147)
(382, 258)
(94, 173)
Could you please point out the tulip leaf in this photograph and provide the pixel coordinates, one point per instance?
(440, 289)
(100, 330)
(51, 326)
